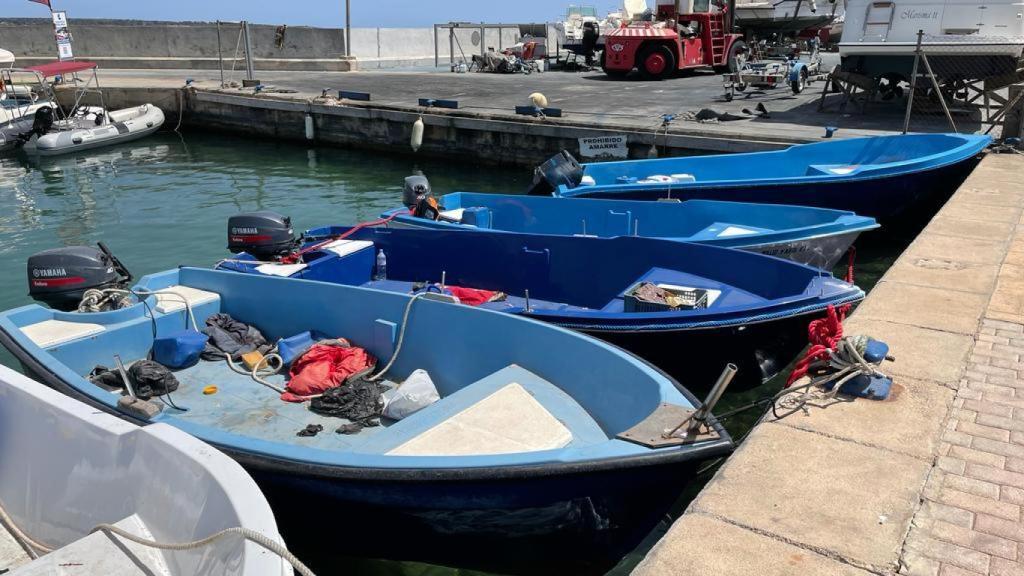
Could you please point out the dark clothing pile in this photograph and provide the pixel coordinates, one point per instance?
(231, 337)
(358, 401)
(148, 378)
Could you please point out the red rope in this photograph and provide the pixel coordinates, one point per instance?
(297, 255)
(824, 335)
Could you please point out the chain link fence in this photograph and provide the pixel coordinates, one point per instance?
(962, 83)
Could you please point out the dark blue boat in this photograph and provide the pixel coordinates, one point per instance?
(754, 315)
(814, 236)
(526, 458)
(878, 176)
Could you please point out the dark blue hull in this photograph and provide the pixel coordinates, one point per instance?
(571, 523)
(881, 198)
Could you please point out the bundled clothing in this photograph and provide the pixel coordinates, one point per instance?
(230, 337)
(148, 378)
(326, 365)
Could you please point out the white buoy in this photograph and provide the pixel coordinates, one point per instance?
(309, 127)
(417, 134)
(539, 100)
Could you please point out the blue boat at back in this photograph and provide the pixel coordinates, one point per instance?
(879, 176)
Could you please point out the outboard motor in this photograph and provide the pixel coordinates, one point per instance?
(417, 196)
(562, 168)
(42, 121)
(417, 187)
(60, 277)
(265, 235)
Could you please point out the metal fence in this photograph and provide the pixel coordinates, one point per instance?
(963, 83)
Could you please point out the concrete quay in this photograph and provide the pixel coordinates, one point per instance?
(927, 483)
(485, 127)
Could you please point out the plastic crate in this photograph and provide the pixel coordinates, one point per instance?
(695, 299)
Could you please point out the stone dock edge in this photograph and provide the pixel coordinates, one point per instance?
(928, 482)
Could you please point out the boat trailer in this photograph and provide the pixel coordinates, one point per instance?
(793, 70)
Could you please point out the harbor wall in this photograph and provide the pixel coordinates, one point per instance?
(194, 45)
(470, 136)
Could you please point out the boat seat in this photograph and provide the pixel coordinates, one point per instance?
(345, 247)
(726, 230)
(834, 169)
(100, 553)
(510, 420)
(283, 270)
(50, 333)
(511, 410)
(173, 298)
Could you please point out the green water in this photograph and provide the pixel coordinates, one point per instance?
(165, 201)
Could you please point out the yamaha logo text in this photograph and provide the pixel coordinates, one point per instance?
(49, 272)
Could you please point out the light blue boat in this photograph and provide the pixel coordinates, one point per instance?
(815, 236)
(524, 452)
(879, 176)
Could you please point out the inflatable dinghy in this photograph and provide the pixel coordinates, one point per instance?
(93, 127)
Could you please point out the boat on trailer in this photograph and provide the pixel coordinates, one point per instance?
(86, 127)
(721, 305)
(69, 469)
(534, 452)
(814, 236)
(879, 176)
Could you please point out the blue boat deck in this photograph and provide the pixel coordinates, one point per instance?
(244, 407)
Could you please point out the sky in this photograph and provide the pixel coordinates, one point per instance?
(323, 13)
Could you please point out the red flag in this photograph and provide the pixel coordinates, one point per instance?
(46, 2)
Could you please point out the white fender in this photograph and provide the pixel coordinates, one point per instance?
(417, 134)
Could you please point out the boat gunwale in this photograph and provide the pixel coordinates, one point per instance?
(957, 155)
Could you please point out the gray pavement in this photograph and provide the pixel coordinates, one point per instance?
(586, 98)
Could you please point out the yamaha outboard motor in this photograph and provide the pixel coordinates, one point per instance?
(562, 168)
(265, 235)
(60, 277)
(590, 37)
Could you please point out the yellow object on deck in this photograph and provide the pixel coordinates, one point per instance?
(210, 390)
(251, 359)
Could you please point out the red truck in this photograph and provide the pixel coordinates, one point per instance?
(686, 34)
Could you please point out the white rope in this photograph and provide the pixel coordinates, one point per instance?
(31, 546)
(246, 533)
(401, 339)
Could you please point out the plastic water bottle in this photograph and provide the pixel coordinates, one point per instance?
(382, 266)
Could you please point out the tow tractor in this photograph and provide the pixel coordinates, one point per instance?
(795, 70)
(684, 35)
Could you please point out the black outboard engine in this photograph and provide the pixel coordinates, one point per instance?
(42, 121)
(562, 168)
(60, 277)
(265, 235)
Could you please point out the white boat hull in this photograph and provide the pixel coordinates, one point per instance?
(67, 468)
(122, 126)
(964, 39)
